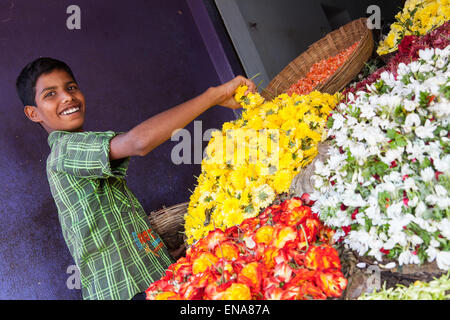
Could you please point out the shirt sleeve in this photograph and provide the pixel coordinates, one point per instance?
(86, 154)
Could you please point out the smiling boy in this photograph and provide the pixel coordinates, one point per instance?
(104, 226)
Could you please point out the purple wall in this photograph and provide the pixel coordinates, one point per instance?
(132, 59)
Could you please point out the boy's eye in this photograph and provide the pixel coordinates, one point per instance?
(72, 88)
(51, 93)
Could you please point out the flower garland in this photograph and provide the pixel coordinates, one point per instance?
(417, 18)
(437, 289)
(385, 185)
(230, 189)
(408, 51)
(284, 253)
(321, 71)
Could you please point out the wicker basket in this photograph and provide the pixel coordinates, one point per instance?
(168, 223)
(332, 44)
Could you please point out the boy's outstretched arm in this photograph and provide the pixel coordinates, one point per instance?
(149, 134)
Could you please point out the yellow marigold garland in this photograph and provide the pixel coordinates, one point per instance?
(233, 188)
(417, 18)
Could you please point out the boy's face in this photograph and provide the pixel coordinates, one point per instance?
(60, 105)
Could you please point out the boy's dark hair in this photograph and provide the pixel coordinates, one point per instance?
(26, 81)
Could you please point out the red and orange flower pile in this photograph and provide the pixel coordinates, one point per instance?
(321, 71)
(284, 253)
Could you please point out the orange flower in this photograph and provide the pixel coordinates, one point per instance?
(290, 204)
(211, 240)
(268, 257)
(326, 235)
(273, 293)
(203, 262)
(228, 250)
(312, 226)
(264, 234)
(310, 291)
(166, 296)
(262, 258)
(296, 215)
(283, 272)
(291, 292)
(322, 257)
(251, 275)
(237, 291)
(283, 235)
(249, 224)
(332, 282)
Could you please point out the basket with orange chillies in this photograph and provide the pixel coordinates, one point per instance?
(284, 253)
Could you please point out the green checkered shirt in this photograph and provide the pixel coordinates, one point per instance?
(101, 219)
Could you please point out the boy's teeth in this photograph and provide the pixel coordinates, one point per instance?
(71, 110)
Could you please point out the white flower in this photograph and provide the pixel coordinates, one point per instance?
(444, 227)
(421, 208)
(414, 66)
(443, 260)
(338, 121)
(440, 190)
(398, 221)
(409, 184)
(427, 174)
(440, 63)
(410, 105)
(390, 265)
(396, 238)
(426, 131)
(431, 253)
(412, 120)
(406, 257)
(426, 54)
(365, 137)
(415, 240)
(442, 165)
(392, 155)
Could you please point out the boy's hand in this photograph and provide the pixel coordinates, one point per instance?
(226, 91)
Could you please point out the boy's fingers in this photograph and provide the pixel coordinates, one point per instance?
(250, 84)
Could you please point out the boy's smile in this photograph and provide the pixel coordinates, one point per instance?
(60, 105)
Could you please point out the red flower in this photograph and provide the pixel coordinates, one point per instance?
(355, 212)
(406, 43)
(347, 229)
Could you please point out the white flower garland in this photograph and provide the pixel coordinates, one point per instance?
(385, 186)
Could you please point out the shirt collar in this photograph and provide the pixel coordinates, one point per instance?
(54, 136)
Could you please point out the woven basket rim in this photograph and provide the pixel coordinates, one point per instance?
(290, 75)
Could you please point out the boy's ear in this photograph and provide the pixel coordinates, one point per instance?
(32, 114)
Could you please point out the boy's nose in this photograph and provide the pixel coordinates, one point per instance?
(66, 97)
